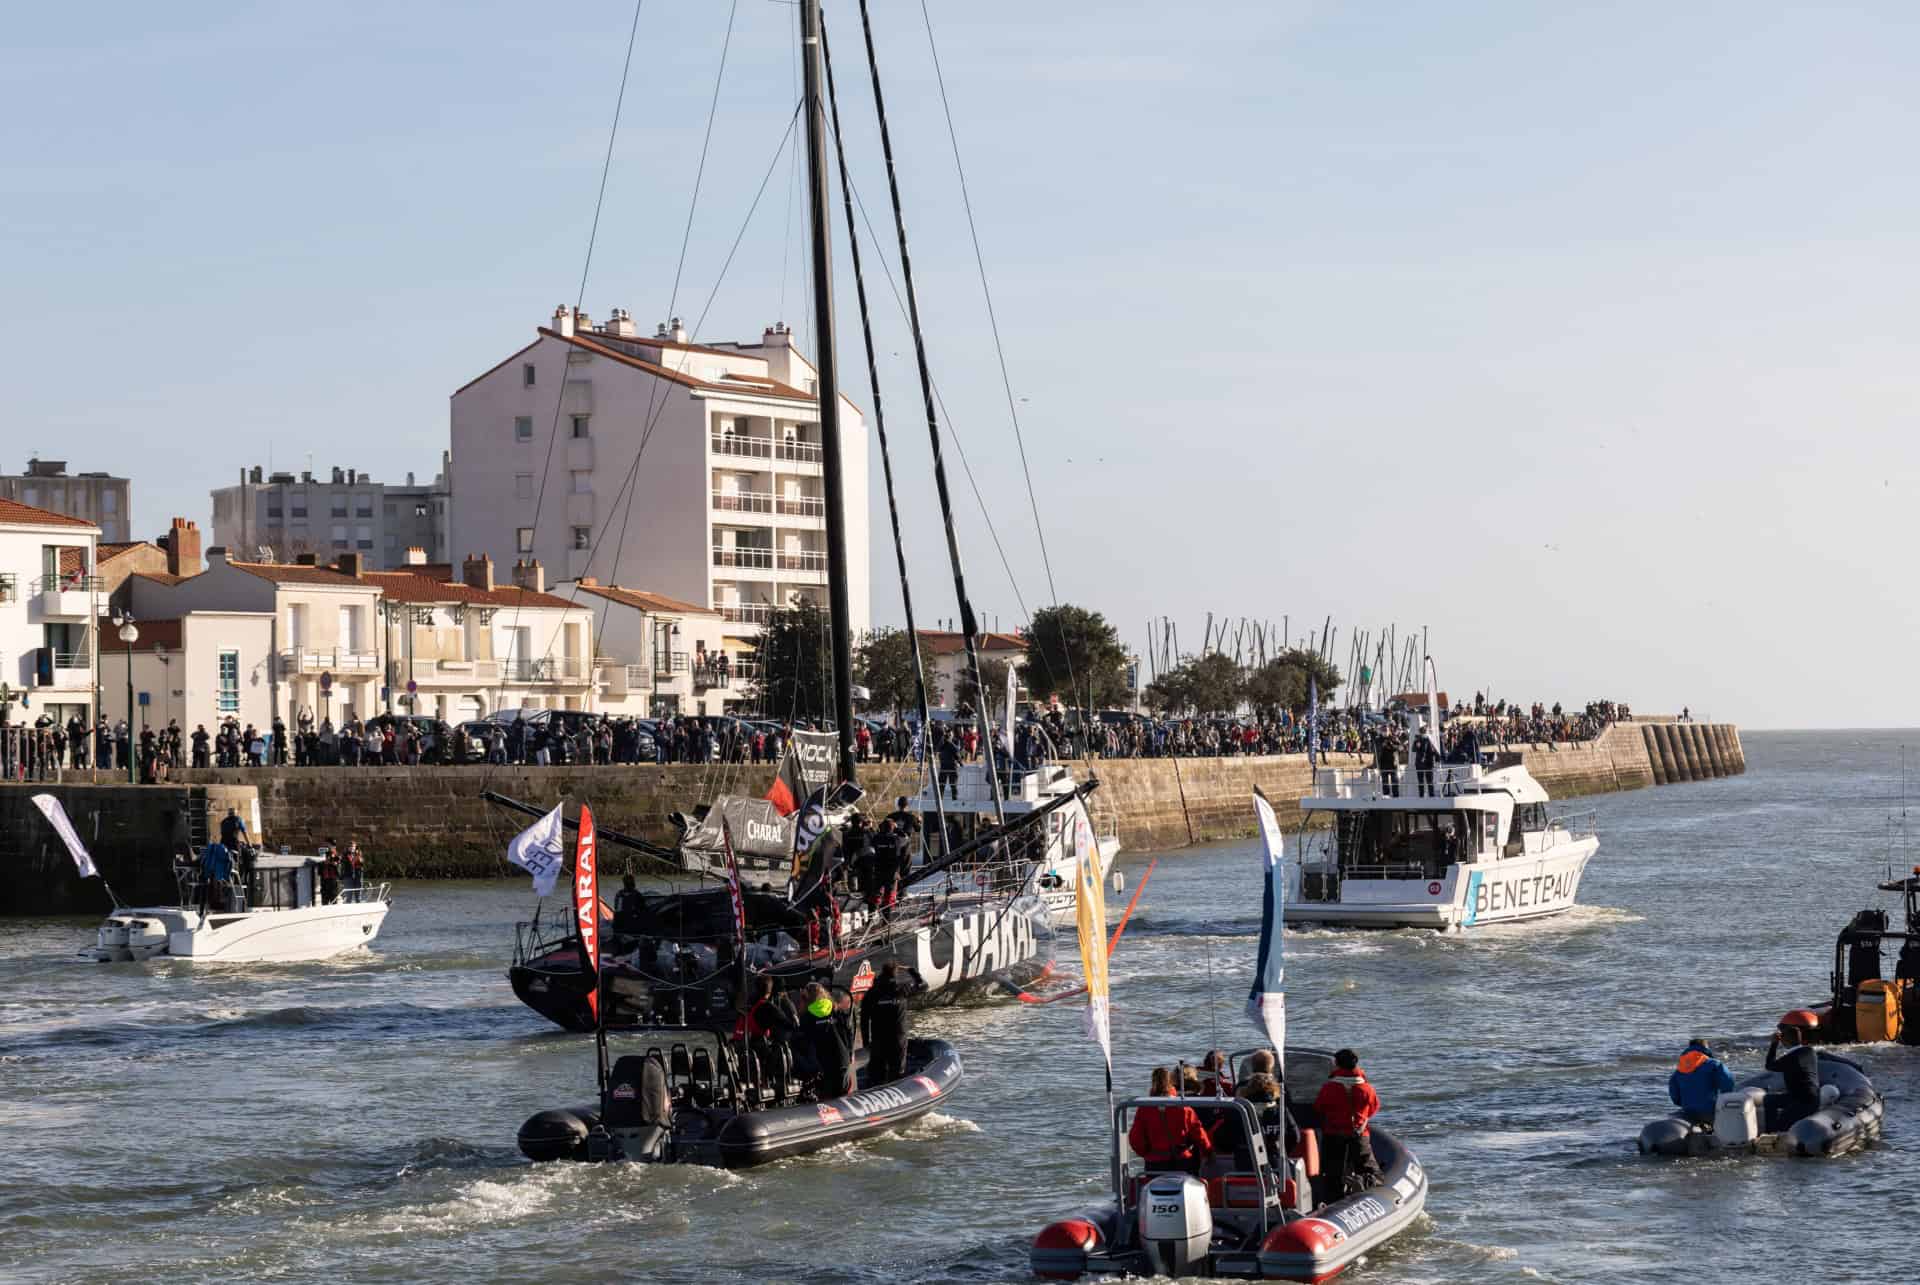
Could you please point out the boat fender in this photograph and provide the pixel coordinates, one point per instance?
(1060, 1250)
(1308, 1150)
(553, 1135)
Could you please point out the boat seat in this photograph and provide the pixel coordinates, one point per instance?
(700, 1082)
(681, 1063)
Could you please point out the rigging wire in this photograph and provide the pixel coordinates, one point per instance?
(880, 428)
(969, 626)
(580, 298)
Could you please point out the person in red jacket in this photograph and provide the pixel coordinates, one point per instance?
(1346, 1102)
(1168, 1137)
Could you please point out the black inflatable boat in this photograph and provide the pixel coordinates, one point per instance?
(1849, 1118)
(681, 1096)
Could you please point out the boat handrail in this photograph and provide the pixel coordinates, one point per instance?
(364, 893)
(1450, 780)
(1575, 825)
(1395, 870)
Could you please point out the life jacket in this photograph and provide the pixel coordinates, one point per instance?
(1345, 1104)
(1164, 1135)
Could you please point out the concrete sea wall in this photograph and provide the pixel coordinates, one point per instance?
(431, 822)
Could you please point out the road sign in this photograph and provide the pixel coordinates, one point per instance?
(412, 687)
(145, 698)
(326, 679)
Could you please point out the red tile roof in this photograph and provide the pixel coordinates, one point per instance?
(640, 599)
(116, 549)
(402, 586)
(159, 577)
(296, 573)
(941, 643)
(12, 511)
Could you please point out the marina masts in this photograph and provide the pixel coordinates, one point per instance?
(828, 384)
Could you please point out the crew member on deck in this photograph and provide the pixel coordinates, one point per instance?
(1698, 1081)
(1168, 1137)
(216, 868)
(1346, 1102)
(1388, 762)
(831, 1042)
(1423, 762)
(628, 904)
(233, 831)
(1790, 1052)
(883, 1021)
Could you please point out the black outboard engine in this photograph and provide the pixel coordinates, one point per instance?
(639, 1112)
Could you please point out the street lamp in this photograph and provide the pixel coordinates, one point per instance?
(129, 635)
(166, 679)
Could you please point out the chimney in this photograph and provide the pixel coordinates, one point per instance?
(416, 556)
(306, 560)
(477, 573)
(530, 575)
(588, 582)
(777, 336)
(183, 548)
(620, 322)
(256, 475)
(563, 321)
(582, 323)
(409, 477)
(339, 476)
(348, 564)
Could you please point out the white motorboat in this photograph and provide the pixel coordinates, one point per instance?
(273, 912)
(1052, 862)
(1480, 849)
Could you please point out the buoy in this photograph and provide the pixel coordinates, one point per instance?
(1119, 882)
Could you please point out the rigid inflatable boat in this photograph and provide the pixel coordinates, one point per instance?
(1865, 1007)
(1248, 1213)
(1849, 1118)
(686, 1098)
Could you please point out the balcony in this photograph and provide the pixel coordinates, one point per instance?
(77, 661)
(308, 660)
(745, 613)
(742, 556)
(743, 501)
(801, 506)
(814, 560)
(67, 595)
(765, 448)
(547, 669)
(480, 671)
(712, 674)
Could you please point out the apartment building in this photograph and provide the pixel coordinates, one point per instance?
(49, 600)
(283, 516)
(725, 509)
(98, 498)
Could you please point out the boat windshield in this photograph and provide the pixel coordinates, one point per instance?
(1406, 845)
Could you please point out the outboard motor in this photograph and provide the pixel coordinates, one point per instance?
(639, 1108)
(146, 938)
(1176, 1224)
(1737, 1117)
(113, 940)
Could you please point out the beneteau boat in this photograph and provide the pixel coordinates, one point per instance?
(1481, 849)
(271, 913)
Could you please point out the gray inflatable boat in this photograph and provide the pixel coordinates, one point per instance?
(1850, 1115)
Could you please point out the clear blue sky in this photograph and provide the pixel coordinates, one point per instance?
(1581, 334)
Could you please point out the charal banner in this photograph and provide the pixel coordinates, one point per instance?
(755, 826)
(807, 766)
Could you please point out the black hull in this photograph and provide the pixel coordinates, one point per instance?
(743, 1140)
(990, 946)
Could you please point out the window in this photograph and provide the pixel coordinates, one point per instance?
(229, 694)
(580, 426)
(523, 486)
(523, 428)
(363, 506)
(337, 507)
(526, 375)
(109, 502)
(340, 535)
(523, 539)
(300, 510)
(583, 481)
(583, 537)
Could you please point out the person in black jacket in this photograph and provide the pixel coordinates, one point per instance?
(831, 1042)
(1423, 757)
(1388, 763)
(883, 1022)
(1790, 1054)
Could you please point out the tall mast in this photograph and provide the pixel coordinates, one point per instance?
(827, 380)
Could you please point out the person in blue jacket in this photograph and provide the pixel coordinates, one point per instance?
(1698, 1081)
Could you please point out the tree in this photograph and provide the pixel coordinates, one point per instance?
(883, 664)
(1075, 654)
(993, 672)
(795, 664)
(1281, 683)
(1209, 684)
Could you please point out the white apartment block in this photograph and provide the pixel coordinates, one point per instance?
(98, 498)
(49, 599)
(726, 508)
(281, 516)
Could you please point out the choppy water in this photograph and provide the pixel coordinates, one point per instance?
(355, 1120)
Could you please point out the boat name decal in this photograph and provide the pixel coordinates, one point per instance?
(1362, 1212)
(829, 1114)
(1506, 896)
(927, 1083)
(972, 946)
(1410, 1181)
(762, 832)
(870, 1102)
(862, 980)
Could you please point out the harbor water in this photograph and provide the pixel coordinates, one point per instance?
(355, 1120)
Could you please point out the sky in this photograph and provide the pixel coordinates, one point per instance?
(1578, 335)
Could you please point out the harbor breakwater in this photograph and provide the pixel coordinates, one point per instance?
(430, 822)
